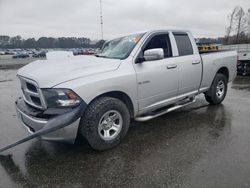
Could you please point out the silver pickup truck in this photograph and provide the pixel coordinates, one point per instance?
(139, 76)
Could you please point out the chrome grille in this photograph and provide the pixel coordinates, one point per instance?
(32, 94)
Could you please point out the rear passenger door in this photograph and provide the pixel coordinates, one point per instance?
(189, 63)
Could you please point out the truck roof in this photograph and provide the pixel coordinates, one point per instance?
(154, 31)
(166, 30)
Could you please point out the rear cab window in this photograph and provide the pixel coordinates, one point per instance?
(184, 44)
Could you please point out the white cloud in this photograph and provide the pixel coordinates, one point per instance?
(34, 18)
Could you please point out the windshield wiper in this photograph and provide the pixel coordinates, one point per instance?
(97, 55)
(104, 56)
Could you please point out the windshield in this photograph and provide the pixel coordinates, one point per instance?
(120, 48)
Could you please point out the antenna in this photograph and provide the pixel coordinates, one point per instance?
(101, 19)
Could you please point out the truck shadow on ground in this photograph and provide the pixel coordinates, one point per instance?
(161, 150)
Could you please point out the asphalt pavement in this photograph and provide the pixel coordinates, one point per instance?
(196, 146)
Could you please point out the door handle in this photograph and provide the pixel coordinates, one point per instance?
(171, 66)
(196, 62)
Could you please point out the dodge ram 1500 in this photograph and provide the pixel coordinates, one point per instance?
(139, 76)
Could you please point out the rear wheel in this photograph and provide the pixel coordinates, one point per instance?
(105, 123)
(217, 93)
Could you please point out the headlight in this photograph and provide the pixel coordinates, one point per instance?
(60, 98)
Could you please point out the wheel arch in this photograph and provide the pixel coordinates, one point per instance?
(121, 96)
(224, 71)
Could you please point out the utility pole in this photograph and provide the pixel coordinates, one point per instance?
(101, 19)
(248, 23)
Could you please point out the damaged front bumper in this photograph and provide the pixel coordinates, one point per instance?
(51, 124)
(65, 121)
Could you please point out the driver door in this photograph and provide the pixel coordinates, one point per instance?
(157, 80)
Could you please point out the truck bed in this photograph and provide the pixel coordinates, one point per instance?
(212, 61)
(213, 51)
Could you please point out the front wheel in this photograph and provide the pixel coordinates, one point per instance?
(217, 93)
(105, 123)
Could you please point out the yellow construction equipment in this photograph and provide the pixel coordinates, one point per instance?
(207, 47)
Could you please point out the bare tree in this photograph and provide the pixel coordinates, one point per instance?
(238, 30)
(239, 21)
(231, 22)
(248, 23)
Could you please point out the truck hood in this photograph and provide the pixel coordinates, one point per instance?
(48, 73)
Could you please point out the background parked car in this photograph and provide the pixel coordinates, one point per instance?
(9, 52)
(77, 52)
(21, 55)
(39, 54)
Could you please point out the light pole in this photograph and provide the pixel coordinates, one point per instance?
(248, 22)
(101, 19)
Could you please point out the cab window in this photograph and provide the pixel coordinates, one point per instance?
(183, 44)
(160, 41)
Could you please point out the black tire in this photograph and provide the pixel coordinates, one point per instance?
(92, 116)
(212, 95)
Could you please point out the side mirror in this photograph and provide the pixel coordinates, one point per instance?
(154, 54)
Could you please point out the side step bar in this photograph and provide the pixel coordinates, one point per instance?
(152, 116)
